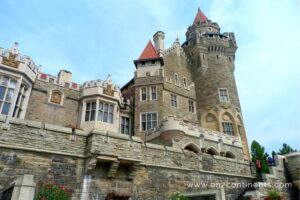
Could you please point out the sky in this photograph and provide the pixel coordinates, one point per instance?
(95, 38)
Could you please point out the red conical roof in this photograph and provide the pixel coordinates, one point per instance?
(149, 52)
(200, 17)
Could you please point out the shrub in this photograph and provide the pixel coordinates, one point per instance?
(52, 191)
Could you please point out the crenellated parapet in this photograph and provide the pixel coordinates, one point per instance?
(55, 80)
(12, 59)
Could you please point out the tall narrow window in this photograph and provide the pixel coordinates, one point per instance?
(184, 82)
(143, 94)
(153, 93)
(19, 103)
(173, 100)
(90, 111)
(191, 106)
(176, 78)
(125, 125)
(105, 112)
(7, 89)
(223, 95)
(148, 121)
(227, 128)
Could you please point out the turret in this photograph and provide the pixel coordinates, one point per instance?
(212, 57)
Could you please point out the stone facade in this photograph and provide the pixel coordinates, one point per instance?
(178, 122)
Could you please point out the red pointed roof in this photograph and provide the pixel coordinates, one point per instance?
(149, 52)
(200, 17)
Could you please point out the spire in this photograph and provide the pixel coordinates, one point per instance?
(200, 17)
(149, 52)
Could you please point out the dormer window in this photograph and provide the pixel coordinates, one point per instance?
(7, 89)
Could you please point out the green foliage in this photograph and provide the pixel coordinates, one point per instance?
(286, 149)
(258, 153)
(52, 191)
(178, 196)
(273, 194)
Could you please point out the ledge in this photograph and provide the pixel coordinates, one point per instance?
(43, 151)
(201, 171)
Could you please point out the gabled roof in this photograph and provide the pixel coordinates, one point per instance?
(200, 17)
(149, 52)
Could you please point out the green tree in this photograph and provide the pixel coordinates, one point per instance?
(286, 149)
(258, 153)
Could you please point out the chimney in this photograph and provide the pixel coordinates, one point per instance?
(158, 39)
(64, 76)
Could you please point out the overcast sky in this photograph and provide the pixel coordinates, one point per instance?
(94, 38)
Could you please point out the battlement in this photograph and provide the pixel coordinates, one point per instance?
(55, 80)
(207, 23)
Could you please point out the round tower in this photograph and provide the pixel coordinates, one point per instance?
(212, 57)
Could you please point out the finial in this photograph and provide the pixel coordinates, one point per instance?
(15, 48)
(109, 79)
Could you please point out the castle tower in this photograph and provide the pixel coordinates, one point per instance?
(212, 57)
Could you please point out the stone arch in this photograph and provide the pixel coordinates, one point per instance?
(191, 147)
(210, 121)
(227, 117)
(229, 154)
(212, 151)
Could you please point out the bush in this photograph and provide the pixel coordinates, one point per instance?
(53, 191)
(273, 195)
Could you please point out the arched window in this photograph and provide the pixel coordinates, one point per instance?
(229, 154)
(212, 151)
(7, 90)
(192, 147)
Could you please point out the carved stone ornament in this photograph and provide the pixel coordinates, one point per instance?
(108, 90)
(56, 97)
(11, 60)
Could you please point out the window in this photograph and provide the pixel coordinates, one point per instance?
(143, 94)
(125, 125)
(148, 121)
(105, 112)
(223, 95)
(153, 93)
(184, 82)
(173, 100)
(19, 103)
(191, 106)
(90, 111)
(7, 89)
(227, 128)
(153, 62)
(176, 78)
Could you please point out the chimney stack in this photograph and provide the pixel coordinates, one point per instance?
(158, 39)
(64, 76)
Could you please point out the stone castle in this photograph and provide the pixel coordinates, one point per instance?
(177, 122)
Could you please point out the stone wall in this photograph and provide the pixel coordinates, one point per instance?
(115, 161)
(41, 109)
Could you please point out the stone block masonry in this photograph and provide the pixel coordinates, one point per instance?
(114, 161)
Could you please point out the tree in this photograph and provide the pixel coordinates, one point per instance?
(258, 153)
(286, 149)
